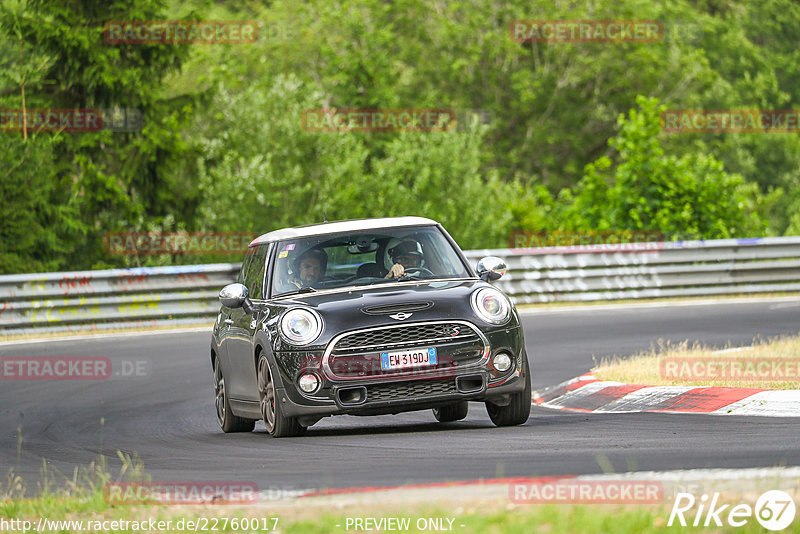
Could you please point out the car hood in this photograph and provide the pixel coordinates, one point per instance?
(374, 305)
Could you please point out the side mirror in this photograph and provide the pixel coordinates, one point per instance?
(234, 295)
(491, 268)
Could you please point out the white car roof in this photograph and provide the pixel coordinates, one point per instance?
(352, 225)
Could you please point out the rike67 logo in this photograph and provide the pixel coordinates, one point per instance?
(774, 510)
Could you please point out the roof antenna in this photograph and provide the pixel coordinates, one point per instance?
(324, 218)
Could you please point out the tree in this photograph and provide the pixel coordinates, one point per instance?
(118, 180)
(39, 224)
(260, 170)
(686, 197)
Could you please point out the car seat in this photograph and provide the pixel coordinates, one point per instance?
(370, 270)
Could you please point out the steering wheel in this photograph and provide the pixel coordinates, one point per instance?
(419, 270)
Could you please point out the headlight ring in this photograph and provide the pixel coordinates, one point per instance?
(491, 305)
(301, 326)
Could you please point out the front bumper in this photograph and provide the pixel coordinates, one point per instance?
(377, 398)
(465, 373)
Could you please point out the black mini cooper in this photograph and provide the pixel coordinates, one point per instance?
(365, 317)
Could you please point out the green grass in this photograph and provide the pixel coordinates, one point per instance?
(549, 518)
(646, 367)
(481, 511)
(57, 496)
(522, 518)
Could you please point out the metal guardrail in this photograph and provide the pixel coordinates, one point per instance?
(668, 269)
(117, 298)
(162, 296)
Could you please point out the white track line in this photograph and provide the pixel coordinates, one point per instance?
(87, 337)
(783, 302)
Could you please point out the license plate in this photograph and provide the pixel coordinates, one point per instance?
(404, 359)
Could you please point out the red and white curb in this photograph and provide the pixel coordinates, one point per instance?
(588, 394)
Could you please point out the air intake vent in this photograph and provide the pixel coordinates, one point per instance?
(410, 390)
(386, 309)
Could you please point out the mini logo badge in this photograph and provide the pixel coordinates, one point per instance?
(400, 316)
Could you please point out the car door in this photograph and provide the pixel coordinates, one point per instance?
(225, 322)
(242, 382)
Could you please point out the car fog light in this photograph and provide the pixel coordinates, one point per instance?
(502, 362)
(308, 383)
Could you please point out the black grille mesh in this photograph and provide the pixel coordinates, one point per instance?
(410, 390)
(407, 334)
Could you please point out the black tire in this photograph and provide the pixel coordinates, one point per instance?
(277, 424)
(519, 409)
(228, 422)
(451, 412)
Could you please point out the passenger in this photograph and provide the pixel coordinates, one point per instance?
(309, 268)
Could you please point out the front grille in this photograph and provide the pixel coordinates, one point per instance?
(358, 354)
(385, 338)
(410, 390)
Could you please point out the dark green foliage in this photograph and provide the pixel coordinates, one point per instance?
(40, 224)
(687, 197)
(118, 181)
(568, 145)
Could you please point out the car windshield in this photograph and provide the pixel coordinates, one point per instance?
(364, 258)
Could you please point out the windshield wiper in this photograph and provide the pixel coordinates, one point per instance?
(307, 290)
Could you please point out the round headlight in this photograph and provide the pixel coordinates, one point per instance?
(301, 326)
(491, 305)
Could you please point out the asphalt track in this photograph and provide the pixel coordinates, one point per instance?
(167, 416)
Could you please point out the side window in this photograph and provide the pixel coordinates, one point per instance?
(245, 264)
(255, 273)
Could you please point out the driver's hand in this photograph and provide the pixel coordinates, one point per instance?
(396, 271)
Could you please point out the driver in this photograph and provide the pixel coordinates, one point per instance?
(405, 255)
(309, 268)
